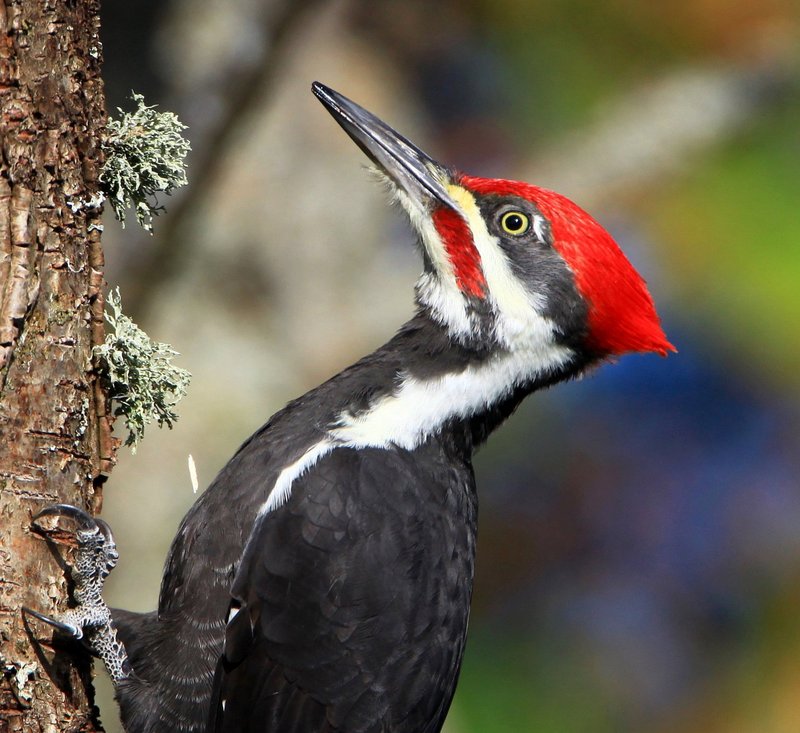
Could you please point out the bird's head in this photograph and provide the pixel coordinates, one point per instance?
(509, 265)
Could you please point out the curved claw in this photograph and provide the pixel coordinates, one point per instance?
(85, 521)
(110, 542)
(104, 528)
(74, 631)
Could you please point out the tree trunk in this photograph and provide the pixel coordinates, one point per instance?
(55, 440)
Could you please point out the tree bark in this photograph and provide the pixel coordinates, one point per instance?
(55, 438)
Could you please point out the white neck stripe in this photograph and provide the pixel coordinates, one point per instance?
(418, 409)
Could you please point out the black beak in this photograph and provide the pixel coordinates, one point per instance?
(411, 170)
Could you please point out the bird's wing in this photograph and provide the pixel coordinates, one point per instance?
(342, 597)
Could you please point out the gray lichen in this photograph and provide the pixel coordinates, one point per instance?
(143, 382)
(145, 155)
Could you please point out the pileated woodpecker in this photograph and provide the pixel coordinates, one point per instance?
(322, 583)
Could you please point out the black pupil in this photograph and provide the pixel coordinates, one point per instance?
(514, 222)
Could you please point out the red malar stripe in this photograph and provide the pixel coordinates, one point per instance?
(461, 250)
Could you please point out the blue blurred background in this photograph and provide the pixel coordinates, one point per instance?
(639, 552)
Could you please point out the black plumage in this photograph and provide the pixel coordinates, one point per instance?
(358, 586)
(322, 582)
(354, 594)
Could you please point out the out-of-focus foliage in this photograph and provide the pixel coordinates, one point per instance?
(733, 229)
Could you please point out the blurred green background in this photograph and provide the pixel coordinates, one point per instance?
(639, 553)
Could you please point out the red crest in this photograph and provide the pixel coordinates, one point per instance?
(622, 316)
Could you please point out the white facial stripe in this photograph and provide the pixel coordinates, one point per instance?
(519, 323)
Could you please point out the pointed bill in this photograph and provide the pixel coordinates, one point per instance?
(412, 171)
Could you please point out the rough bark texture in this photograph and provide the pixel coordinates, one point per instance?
(55, 441)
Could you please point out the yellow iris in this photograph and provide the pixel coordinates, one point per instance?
(515, 222)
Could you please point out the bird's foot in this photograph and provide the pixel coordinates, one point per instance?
(96, 556)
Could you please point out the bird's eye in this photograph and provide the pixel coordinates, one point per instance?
(515, 222)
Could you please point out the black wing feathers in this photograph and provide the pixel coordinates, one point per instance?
(354, 599)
